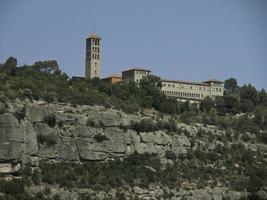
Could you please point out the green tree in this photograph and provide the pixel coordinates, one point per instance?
(206, 104)
(249, 92)
(151, 85)
(10, 66)
(261, 117)
(230, 85)
(49, 66)
(263, 97)
(169, 105)
(228, 103)
(246, 105)
(220, 105)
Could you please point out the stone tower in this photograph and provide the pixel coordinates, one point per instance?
(93, 56)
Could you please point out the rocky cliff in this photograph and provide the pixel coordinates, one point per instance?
(31, 132)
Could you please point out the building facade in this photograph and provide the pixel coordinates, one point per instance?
(93, 56)
(187, 90)
(195, 91)
(134, 74)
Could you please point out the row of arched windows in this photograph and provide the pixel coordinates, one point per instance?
(183, 94)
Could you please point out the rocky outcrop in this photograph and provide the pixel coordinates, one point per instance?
(73, 136)
(154, 192)
(17, 140)
(60, 132)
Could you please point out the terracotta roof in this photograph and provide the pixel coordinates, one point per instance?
(185, 82)
(94, 36)
(137, 68)
(212, 80)
(113, 76)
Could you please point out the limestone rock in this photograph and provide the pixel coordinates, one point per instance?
(38, 113)
(106, 118)
(180, 144)
(8, 168)
(16, 139)
(68, 150)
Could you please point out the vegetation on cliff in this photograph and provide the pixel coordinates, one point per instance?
(44, 80)
(241, 113)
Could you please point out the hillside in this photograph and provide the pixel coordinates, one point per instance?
(68, 139)
(174, 159)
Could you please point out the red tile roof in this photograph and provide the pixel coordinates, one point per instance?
(113, 76)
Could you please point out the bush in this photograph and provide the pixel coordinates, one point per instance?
(91, 123)
(170, 155)
(49, 140)
(144, 126)
(120, 196)
(137, 169)
(20, 114)
(50, 120)
(100, 138)
(147, 125)
(11, 187)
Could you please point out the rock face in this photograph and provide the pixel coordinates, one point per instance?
(60, 132)
(72, 137)
(16, 139)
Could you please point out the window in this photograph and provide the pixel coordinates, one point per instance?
(199, 88)
(191, 87)
(169, 85)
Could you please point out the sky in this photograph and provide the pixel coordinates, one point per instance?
(192, 40)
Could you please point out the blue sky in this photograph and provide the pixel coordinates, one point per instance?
(177, 39)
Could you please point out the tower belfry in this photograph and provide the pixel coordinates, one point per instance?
(93, 56)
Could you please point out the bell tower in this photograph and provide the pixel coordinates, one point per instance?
(93, 56)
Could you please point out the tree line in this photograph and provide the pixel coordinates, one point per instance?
(44, 80)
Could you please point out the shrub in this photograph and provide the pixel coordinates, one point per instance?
(50, 120)
(263, 137)
(91, 123)
(120, 196)
(11, 187)
(147, 125)
(170, 155)
(20, 114)
(49, 140)
(100, 137)
(144, 126)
